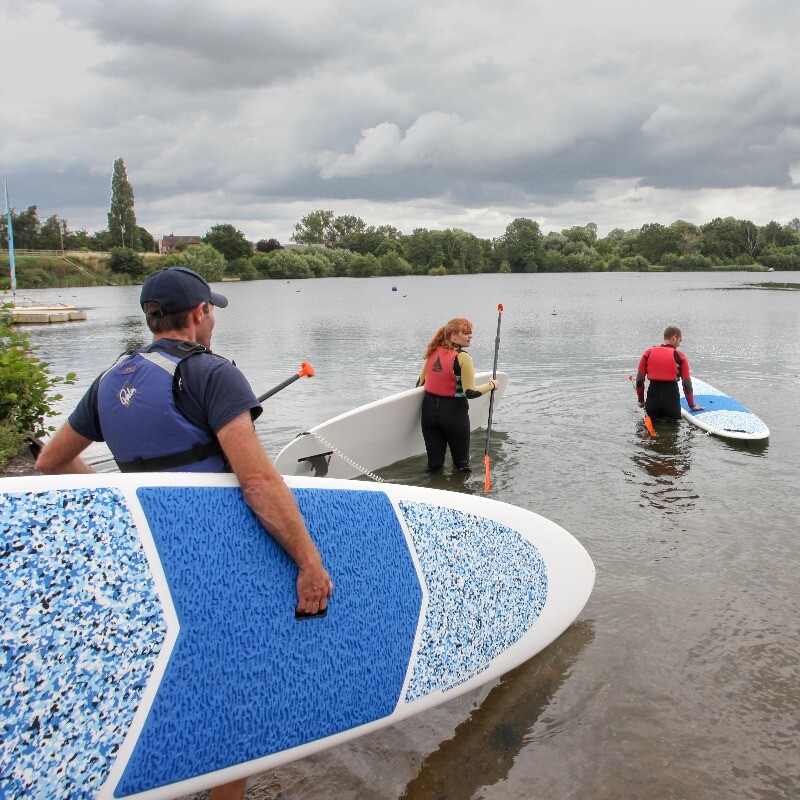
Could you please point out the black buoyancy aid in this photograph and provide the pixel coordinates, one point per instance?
(440, 373)
(664, 363)
(139, 419)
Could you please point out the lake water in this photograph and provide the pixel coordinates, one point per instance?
(680, 679)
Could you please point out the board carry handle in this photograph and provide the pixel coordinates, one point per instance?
(306, 371)
(321, 614)
(648, 423)
(487, 465)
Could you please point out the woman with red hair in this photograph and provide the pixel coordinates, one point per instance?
(448, 376)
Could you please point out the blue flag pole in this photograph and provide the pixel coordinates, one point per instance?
(12, 266)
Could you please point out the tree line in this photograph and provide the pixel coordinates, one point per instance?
(347, 247)
(344, 245)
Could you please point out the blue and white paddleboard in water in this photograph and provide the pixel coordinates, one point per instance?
(721, 414)
(150, 648)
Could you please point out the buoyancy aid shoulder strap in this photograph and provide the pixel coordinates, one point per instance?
(456, 362)
(183, 350)
(124, 357)
(179, 350)
(160, 360)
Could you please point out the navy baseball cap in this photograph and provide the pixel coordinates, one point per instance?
(178, 289)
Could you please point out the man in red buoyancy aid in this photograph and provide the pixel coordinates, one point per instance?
(664, 365)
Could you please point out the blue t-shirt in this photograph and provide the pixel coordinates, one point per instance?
(209, 391)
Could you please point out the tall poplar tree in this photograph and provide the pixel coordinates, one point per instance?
(122, 228)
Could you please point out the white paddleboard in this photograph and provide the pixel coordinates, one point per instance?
(721, 414)
(374, 435)
(149, 643)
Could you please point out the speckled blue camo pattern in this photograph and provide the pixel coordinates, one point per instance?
(74, 577)
(486, 585)
(722, 411)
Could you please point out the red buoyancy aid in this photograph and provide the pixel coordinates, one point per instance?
(663, 363)
(440, 374)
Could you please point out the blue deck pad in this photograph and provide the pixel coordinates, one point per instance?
(81, 630)
(715, 402)
(487, 585)
(246, 679)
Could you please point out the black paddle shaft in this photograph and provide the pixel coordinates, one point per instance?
(261, 398)
(494, 376)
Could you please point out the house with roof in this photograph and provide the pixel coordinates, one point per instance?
(172, 243)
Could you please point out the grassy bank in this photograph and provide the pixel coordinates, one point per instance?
(70, 270)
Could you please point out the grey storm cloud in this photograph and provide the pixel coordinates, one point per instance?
(196, 46)
(522, 105)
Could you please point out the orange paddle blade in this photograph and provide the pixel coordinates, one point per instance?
(648, 423)
(306, 370)
(487, 479)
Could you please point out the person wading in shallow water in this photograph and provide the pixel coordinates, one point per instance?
(174, 405)
(448, 376)
(664, 365)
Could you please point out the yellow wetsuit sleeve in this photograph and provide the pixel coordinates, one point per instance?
(468, 377)
(421, 379)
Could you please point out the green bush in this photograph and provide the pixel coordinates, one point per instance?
(319, 265)
(392, 263)
(363, 266)
(339, 259)
(781, 258)
(635, 264)
(203, 259)
(686, 262)
(26, 387)
(281, 264)
(126, 262)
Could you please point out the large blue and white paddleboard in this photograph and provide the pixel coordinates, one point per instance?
(150, 648)
(721, 414)
(373, 435)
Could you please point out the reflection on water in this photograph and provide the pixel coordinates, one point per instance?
(133, 333)
(485, 746)
(411, 471)
(753, 447)
(664, 462)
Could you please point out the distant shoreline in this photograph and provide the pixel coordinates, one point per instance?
(82, 270)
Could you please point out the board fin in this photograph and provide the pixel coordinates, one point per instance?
(319, 463)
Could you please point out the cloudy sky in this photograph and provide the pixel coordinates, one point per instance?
(416, 114)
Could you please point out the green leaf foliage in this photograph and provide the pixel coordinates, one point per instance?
(204, 259)
(26, 390)
(126, 261)
(229, 241)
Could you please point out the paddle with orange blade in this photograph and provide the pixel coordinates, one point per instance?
(306, 371)
(648, 423)
(487, 481)
(35, 445)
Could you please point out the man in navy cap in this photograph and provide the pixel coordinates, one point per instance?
(176, 406)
